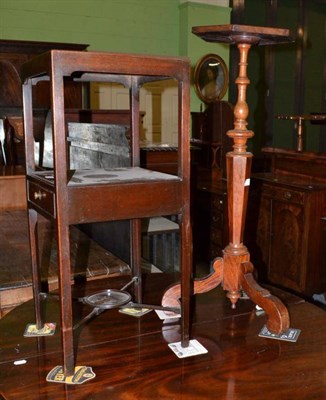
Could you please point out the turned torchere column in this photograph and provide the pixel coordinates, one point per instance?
(234, 270)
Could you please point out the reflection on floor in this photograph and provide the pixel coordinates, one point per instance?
(88, 259)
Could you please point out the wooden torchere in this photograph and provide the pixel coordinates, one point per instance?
(235, 271)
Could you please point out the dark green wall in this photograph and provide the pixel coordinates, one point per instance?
(288, 98)
(195, 14)
(315, 53)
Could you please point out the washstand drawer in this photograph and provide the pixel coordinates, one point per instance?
(281, 193)
(41, 197)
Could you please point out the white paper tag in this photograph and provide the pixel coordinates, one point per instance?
(82, 374)
(194, 349)
(47, 330)
(20, 362)
(167, 315)
(135, 312)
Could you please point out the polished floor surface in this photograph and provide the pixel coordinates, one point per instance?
(88, 259)
(131, 358)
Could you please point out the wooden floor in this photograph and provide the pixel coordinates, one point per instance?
(131, 358)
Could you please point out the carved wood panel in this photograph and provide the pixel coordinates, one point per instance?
(290, 246)
(12, 55)
(10, 93)
(287, 247)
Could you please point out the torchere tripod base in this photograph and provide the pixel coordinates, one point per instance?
(278, 320)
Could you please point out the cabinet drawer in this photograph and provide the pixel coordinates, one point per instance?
(217, 218)
(284, 194)
(218, 203)
(217, 237)
(41, 197)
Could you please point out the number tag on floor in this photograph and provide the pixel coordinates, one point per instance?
(47, 330)
(291, 335)
(81, 375)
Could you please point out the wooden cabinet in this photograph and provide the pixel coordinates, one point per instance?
(209, 204)
(12, 55)
(211, 229)
(289, 235)
(209, 135)
(290, 229)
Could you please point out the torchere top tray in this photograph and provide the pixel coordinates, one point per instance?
(232, 34)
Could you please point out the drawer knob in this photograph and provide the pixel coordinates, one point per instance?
(287, 195)
(39, 195)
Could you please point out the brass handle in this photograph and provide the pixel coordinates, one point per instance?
(39, 195)
(218, 202)
(288, 195)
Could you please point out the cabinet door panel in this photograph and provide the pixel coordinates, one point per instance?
(286, 252)
(263, 233)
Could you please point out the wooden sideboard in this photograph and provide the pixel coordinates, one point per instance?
(290, 246)
(12, 55)
(209, 135)
(209, 201)
(210, 231)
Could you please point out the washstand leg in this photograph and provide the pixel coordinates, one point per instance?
(66, 314)
(36, 275)
(135, 245)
